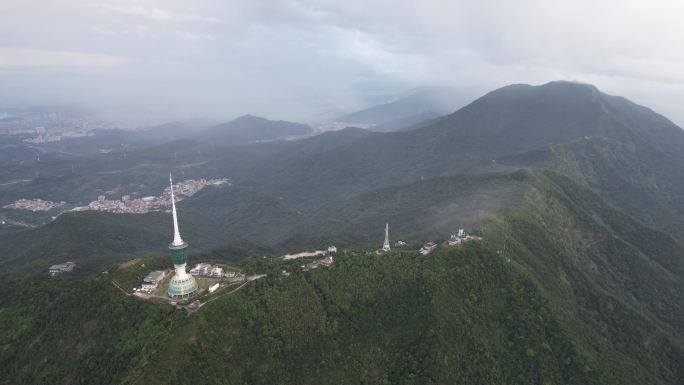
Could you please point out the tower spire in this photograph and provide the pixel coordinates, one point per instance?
(182, 284)
(386, 244)
(177, 240)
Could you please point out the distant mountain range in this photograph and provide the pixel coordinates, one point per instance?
(570, 128)
(243, 130)
(406, 111)
(250, 129)
(624, 152)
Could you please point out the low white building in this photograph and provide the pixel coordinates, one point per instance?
(455, 240)
(216, 272)
(460, 237)
(428, 248)
(209, 271)
(201, 269)
(153, 280)
(213, 287)
(61, 268)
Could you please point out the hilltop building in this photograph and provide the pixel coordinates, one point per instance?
(428, 248)
(386, 246)
(202, 269)
(182, 284)
(217, 272)
(332, 250)
(61, 268)
(460, 237)
(326, 261)
(209, 271)
(153, 280)
(213, 287)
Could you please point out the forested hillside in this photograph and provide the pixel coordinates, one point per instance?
(77, 331)
(563, 289)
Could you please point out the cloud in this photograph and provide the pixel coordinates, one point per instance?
(153, 13)
(103, 31)
(196, 37)
(23, 57)
(294, 58)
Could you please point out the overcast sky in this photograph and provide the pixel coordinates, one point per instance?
(306, 60)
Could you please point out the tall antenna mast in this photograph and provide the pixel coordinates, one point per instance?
(177, 240)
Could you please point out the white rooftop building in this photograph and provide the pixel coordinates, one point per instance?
(61, 268)
(460, 237)
(213, 287)
(201, 269)
(217, 272)
(428, 248)
(152, 280)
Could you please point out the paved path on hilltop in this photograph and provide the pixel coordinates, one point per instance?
(118, 286)
(249, 279)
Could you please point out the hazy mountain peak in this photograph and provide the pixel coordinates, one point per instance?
(249, 117)
(250, 128)
(411, 108)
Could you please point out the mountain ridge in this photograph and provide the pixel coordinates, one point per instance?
(249, 128)
(316, 172)
(407, 110)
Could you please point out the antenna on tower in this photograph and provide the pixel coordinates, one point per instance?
(177, 240)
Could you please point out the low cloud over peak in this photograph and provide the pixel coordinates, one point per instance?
(310, 59)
